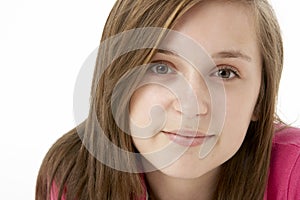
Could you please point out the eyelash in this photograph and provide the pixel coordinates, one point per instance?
(153, 66)
(171, 70)
(234, 72)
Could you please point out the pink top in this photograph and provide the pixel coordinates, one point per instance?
(284, 172)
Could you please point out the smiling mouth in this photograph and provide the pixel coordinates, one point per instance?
(187, 138)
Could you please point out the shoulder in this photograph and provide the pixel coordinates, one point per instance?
(287, 136)
(63, 150)
(60, 156)
(284, 172)
(286, 145)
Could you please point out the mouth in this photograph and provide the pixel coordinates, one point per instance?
(187, 138)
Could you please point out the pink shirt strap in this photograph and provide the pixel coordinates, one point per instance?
(54, 192)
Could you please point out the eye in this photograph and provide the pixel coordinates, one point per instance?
(161, 68)
(226, 72)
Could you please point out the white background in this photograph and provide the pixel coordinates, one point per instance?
(42, 47)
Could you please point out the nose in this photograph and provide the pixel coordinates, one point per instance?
(192, 96)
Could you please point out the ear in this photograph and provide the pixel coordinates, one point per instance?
(255, 114)
(254, 117)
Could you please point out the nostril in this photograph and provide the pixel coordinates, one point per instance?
(191, 109)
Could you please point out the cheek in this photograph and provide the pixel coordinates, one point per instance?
(239, 111)
(234, 130)
(147, 109)
(146, 102)
(241, 101)
(148, 112)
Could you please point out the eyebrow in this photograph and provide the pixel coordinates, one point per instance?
(168, 52)
(222, 54)
(232, 54)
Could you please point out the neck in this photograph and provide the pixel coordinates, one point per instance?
(162, 187)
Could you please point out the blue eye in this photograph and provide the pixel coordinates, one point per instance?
(161, 68)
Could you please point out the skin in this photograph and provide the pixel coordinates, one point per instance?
(227, 33)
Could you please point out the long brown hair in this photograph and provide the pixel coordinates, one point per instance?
(77, 172)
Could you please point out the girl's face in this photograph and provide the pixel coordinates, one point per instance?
(226, 31)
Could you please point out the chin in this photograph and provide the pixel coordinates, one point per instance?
(186, 169)
(181, 175)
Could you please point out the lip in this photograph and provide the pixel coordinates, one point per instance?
(187, 138)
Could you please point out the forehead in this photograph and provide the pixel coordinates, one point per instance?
(221, 25)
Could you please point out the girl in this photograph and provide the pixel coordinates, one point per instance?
(185, 111)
